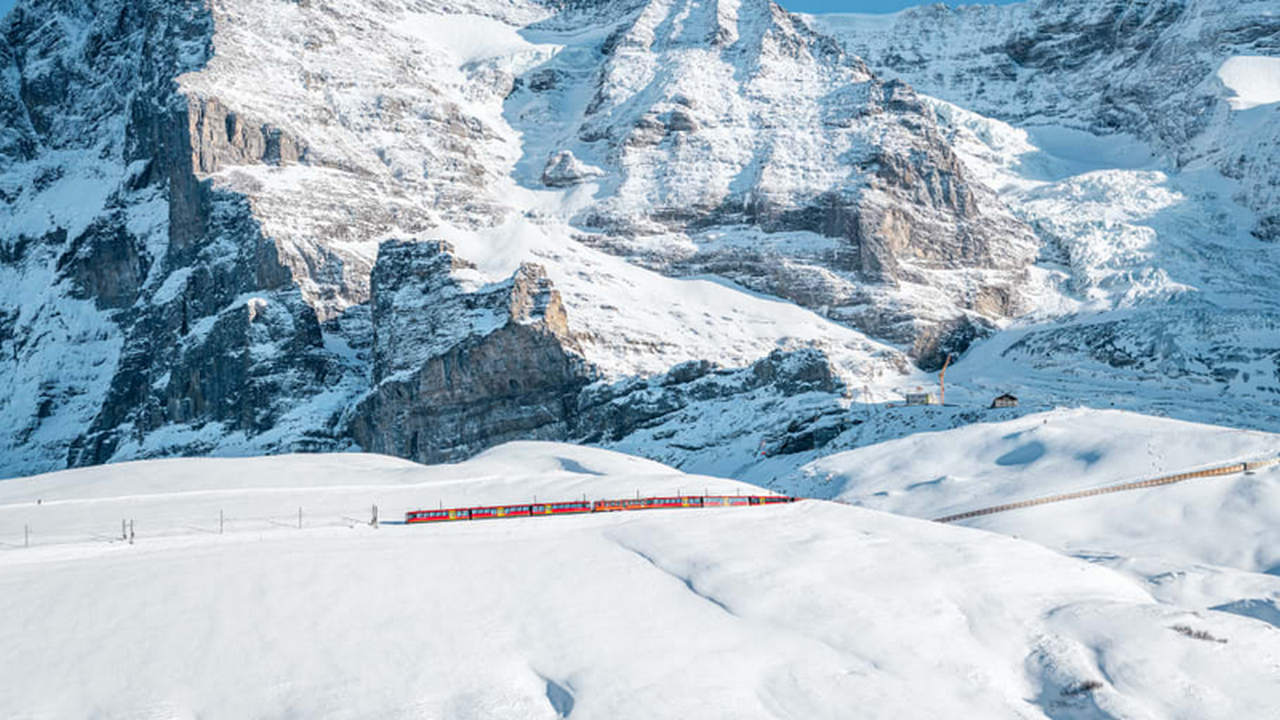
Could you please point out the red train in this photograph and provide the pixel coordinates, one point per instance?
(584, 506)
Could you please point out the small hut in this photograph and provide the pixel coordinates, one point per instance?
(1004, 401)
(919, 398)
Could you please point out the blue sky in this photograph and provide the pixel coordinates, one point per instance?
(5, 6)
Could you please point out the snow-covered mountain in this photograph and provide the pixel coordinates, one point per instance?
(1156, 70)
(1138, 139)
(712, 233)
(805, 610)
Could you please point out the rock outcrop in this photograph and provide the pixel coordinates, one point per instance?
(458, 371)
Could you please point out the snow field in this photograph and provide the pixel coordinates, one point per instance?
(811, 610)
(1205, 543)
(185, 497)
(1035, 455)
(1254, 79)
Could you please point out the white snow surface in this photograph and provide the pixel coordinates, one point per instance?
(810, 610)
(1255, 79)
(1203, 543)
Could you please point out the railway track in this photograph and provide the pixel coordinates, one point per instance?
(1122, 487)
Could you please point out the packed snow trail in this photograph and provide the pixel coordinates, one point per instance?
(1137, 485)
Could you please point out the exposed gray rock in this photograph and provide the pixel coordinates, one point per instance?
(221, 138)
(563, 170)
(487, 366)
(106, 263)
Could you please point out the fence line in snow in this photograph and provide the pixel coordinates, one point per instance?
(1122, 487)
(34, 534)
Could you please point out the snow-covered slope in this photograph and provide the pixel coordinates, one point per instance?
(1206, 543)
(804, 610)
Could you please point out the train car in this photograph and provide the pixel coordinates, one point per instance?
(770, 499)
(425, 516)
(675, 502)
(500, 511)
(725, 500)
(562, 508)
(639, 504)
(626, 504)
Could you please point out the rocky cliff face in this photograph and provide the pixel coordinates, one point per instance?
(161, 304)
(1145, 69)
(458, 370)
(694, 230)
(729, 138)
